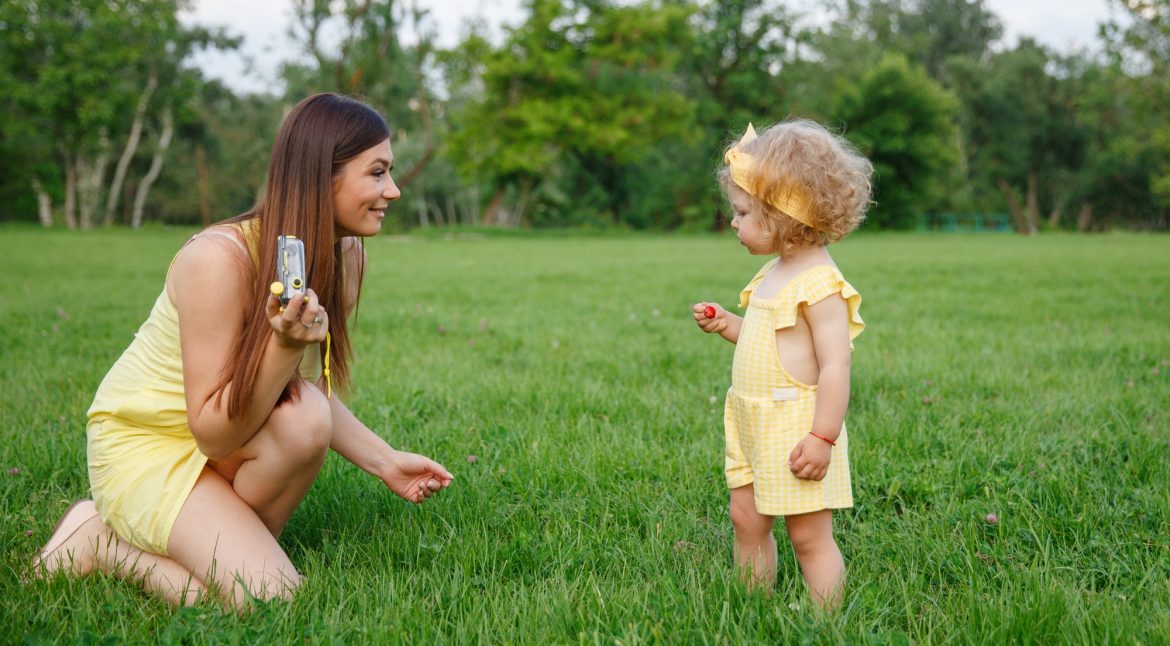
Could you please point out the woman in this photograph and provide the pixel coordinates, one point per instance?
(208, 431)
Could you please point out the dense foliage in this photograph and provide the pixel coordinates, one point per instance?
(595, 112)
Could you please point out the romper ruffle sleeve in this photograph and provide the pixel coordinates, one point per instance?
(814, 286)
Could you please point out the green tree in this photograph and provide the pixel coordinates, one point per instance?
(590, 81)
(1140, 54)
(1020, 127)
(740, 72)
(81, 80)
(905, 123)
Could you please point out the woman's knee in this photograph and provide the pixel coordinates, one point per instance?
(303, 428)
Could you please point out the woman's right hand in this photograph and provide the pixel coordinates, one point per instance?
(302, 322)
(707, 323)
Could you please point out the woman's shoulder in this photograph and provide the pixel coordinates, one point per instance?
(214, 257)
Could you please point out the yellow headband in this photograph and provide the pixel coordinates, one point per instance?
(789, 199)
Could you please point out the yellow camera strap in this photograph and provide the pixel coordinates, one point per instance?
(325, 367)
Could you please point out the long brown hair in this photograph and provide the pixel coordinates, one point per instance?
(317, 138)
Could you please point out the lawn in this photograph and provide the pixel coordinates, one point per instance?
(1023, 377)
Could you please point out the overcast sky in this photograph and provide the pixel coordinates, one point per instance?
(1062, 24)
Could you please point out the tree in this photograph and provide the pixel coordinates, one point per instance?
(81, 76)
(588, 80)
(1020, 127)
(905, 123)
(1140, 52)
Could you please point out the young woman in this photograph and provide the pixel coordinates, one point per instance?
(208, 431)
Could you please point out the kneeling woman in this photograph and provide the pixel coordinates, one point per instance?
(208, 431)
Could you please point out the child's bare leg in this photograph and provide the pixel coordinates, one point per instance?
(755, 546)
(820, 560)
(82, 544)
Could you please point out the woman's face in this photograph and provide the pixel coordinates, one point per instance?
(362, 191)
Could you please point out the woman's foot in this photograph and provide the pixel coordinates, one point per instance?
(68, 547)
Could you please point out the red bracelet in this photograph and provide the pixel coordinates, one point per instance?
(822, 437)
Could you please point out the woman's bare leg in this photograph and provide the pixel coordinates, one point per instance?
(228, 527)
(273, 471)
(83, 544)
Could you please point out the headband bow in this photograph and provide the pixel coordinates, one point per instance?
(787, 198)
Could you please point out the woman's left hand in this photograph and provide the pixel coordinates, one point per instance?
(415, 477)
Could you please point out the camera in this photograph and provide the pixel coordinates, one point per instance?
(290, 267)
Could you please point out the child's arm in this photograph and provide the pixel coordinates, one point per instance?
(724, 322)
(828, 320)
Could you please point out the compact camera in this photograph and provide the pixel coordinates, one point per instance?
(290, 268)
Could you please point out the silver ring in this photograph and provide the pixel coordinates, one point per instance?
(308, 326)
(317, 320)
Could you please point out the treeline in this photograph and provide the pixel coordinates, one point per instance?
(594, 112)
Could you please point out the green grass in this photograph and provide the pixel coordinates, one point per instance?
(1023, 377)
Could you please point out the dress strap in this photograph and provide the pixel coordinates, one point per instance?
(223, 234)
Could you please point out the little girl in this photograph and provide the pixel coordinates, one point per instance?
(794, 188)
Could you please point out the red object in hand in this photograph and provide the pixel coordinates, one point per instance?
(709, 312)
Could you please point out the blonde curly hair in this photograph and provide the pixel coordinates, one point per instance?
(829, 171)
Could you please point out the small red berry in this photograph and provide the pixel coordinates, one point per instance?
(709, 311)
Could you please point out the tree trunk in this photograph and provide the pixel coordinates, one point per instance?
(130, 149)
(491, 214)
(1085, 217)
(1033, 201)
(522, 206)
(70, 191)
(1055, 216)
(204, 185)
(90, 171)
(1018, 215)
(156, 164)
(417, 169)
(421, 202)
(44, 204)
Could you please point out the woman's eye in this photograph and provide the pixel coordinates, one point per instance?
(379, 173)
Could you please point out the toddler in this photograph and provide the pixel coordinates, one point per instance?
(794, 188)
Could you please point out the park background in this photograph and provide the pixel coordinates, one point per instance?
(592, 113)
(526, 315)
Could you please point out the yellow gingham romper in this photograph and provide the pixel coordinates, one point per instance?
(768, 411)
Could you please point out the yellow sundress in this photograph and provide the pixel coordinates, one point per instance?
(767, 411)
(143, 461)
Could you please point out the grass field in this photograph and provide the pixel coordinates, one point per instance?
(1029, 378)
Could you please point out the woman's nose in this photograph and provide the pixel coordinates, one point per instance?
(391, 192)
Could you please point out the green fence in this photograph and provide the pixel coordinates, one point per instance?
(957, 222)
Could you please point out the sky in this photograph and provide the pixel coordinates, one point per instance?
(263, 24)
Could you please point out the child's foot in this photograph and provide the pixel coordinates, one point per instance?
(67, 547)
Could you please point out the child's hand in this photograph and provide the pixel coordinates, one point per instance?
(710, 317)
(810, 459)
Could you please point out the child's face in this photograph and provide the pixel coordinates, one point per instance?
(746, 223)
